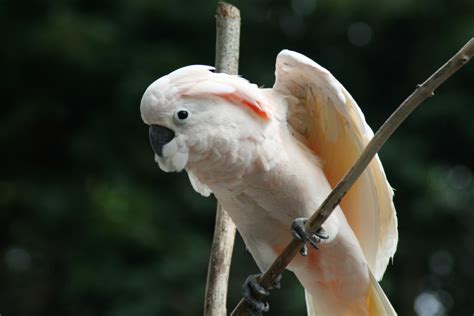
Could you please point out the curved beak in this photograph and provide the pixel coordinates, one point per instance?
(159, 136)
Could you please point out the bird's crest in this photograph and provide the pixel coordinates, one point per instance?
(200, 81)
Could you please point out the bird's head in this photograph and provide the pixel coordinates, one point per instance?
(193, 111)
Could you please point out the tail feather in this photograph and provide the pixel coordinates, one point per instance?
(310, 305)
(377, 303)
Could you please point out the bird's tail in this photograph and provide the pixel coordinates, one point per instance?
(377, 303)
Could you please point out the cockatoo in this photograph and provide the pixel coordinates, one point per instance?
(272, 155)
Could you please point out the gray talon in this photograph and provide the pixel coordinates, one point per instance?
(276, 284)
(304, 251)
(299, 232)
(251, 289)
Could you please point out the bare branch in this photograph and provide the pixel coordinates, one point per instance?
(422, 92)
(219, 265)
(227, 38)
(227, 60)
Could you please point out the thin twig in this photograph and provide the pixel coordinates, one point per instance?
(227, 61)
(422, 92)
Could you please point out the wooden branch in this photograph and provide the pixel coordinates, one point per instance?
(227, 61)
(219, 265)
(227, 38)
(422, 92)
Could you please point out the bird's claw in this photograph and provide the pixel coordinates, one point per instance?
(276, 283)
(299, 232)
(252, 288)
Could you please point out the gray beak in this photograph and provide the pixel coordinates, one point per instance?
(159, 136)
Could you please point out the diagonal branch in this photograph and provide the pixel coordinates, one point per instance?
(227, 60)
(422, 92)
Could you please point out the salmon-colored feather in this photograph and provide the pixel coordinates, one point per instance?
(238, 99)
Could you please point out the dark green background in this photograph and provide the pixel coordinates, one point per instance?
(91, 226)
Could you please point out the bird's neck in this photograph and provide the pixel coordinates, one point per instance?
(225, 166)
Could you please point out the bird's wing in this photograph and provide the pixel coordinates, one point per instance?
(327, 119)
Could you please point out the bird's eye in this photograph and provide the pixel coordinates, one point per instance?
(181, 116)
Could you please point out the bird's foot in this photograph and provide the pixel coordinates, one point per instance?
(252, 289)
(299, 232)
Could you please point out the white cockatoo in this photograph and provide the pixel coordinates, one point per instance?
(272, 155)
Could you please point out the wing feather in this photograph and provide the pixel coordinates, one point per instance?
(334, 127)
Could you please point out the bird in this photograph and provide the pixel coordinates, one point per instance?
(271, 156)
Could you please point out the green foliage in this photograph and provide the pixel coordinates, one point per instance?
(91, 226)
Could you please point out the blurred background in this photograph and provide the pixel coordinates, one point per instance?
(91, 226)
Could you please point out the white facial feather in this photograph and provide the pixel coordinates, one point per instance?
(170, 149)
(179, 160)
